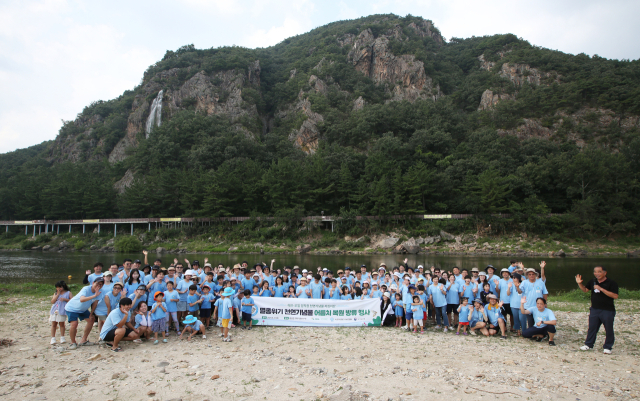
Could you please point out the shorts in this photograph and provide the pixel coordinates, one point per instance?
(205, 313)
(409, 315)
(101, 318)
(452, 308)
(463, 323)
(246, 317)
(73, 316)
(57, 318)
(219, 322)
(473, 323)
(159, 325)
(182, 306)
(507, 309)
(225, 323)
(110, 336)
(424, 315)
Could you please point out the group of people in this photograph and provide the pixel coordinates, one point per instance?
(132, 301)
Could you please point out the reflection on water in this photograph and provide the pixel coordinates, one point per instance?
(560, 272)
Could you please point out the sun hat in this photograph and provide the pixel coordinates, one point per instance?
(393, 287)
(478, 300)
(195, 262)
(344, 278)
(303, 278)
(340, 271)
(296, 267)
(491, 296)
(228, 292)
(189, 319)
(529, 270)
(489, 267)
(482, 274)
(376, 273)
(386, 294)
(207, 265)
(256, 275)
(475, 269)
(107, 273)
(383, 264)
(118, 283)
(304, 271)
(158, 293)
(505, 270)
(374, 283)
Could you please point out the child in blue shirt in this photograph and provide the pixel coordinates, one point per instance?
(345, 296)
(417, 309)
(158, 317)
(247, 307)
(171, 298)
(193, 326)
(205, 306)
(398, 309)
(193, 300)
(265, 290)
(463, 316)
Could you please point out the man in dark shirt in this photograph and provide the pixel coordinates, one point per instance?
(603, 311)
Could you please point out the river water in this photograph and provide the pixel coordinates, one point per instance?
(43, 267)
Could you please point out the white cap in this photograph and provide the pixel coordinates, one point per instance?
(393, 287)
(386, 294)
(304, 271)
(309, 277)
(420, 267)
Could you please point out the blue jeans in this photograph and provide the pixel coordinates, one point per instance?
(441, 314)
(519, 319)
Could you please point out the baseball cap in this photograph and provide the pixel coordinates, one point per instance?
(142, 287)
(207, 265)
(137, 261)
(99, 280)
(529, 270)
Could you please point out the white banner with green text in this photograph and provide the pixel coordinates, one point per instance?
(315, 312)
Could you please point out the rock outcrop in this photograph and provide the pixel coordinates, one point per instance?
(520, 73)
(490, 99)
(372, 57)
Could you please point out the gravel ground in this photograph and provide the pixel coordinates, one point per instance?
(276, 363)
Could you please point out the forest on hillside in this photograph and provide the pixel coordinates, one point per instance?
(387, 158)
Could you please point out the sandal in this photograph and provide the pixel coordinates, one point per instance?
(86, 343)
(137, 341)
(117, 349)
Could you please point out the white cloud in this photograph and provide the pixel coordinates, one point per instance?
(274, 35)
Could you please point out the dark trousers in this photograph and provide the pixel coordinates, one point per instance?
(530, 322)
(532, 331)
(598, 317)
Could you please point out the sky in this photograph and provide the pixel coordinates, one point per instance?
(57, 56)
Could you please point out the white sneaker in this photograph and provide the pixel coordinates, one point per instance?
(204, 337)
(607, 351)
(62, 340)
(586, 348)
(445, 330)
(437, 327)
(53, 341)
(220, 335)
(405, 327)
(473, 332)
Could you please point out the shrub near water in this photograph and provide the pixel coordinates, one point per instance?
(128, 244)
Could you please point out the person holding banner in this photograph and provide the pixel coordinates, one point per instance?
(386, 309)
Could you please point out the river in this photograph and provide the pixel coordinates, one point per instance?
(43, 267)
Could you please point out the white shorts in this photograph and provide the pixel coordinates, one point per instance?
(58, 318)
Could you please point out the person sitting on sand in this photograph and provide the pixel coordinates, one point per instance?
(478, 319)
(117, 327)
(494, 313)
(193, 326)
(545, 321)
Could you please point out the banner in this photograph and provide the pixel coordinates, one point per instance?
(315, 312)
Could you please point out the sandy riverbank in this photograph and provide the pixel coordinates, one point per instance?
(276, 363)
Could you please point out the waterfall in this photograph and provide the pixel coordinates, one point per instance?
(155, 114)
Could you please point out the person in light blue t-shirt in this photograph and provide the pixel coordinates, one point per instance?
(171, 297)
(193, 326)
(544, 321)
(519, 319)
(417, 309)
(78, 309)
(464, 310)
(117, 327)
(502, 289)
(316, 287)
(438, 294)
(247, 309)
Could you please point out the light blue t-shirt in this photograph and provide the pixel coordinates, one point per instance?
(195, 326)
(112, 320)
(162, 287)
(237, 303)
(493, 281)
(114, 300)
(192, 299)
(467, 290)
(74, 305)
(183, 286)
(132, 297)
(279, 291)
(159, 313)
(544, 316)
(226, 304)
(439, 299)
(453, 293)
(417, 311)
(502, 286)
(327, 292)
(266, 293)
(376, 294)
(92, 277)
(346, 297)
(493, 314)
(464, 313)
(206, 301)
(316, 289)
(248, 284)
(131, 288)
(172, 306)
(247, 305)
(301, 291)
(514, 297)
(533, 291)
(218, 304)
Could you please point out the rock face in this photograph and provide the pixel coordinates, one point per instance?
(384, 242)
(520, 73)
(125, 182)
(490, 99)
(372, 57)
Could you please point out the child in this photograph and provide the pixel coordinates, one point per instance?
(463, 316)
(172, 298)
(158, 316)
(227, 312)
(486, 290)
(143, 321)
(247, 306)
(411, 290)
(398, 309)
(417, 308)
(291, 293)
(193, 300)
(205, 307)
(57, 314)
(192, 326)
(216, 313)
(256, 291)
(265, 291)
(346, 296)
(110, 301)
